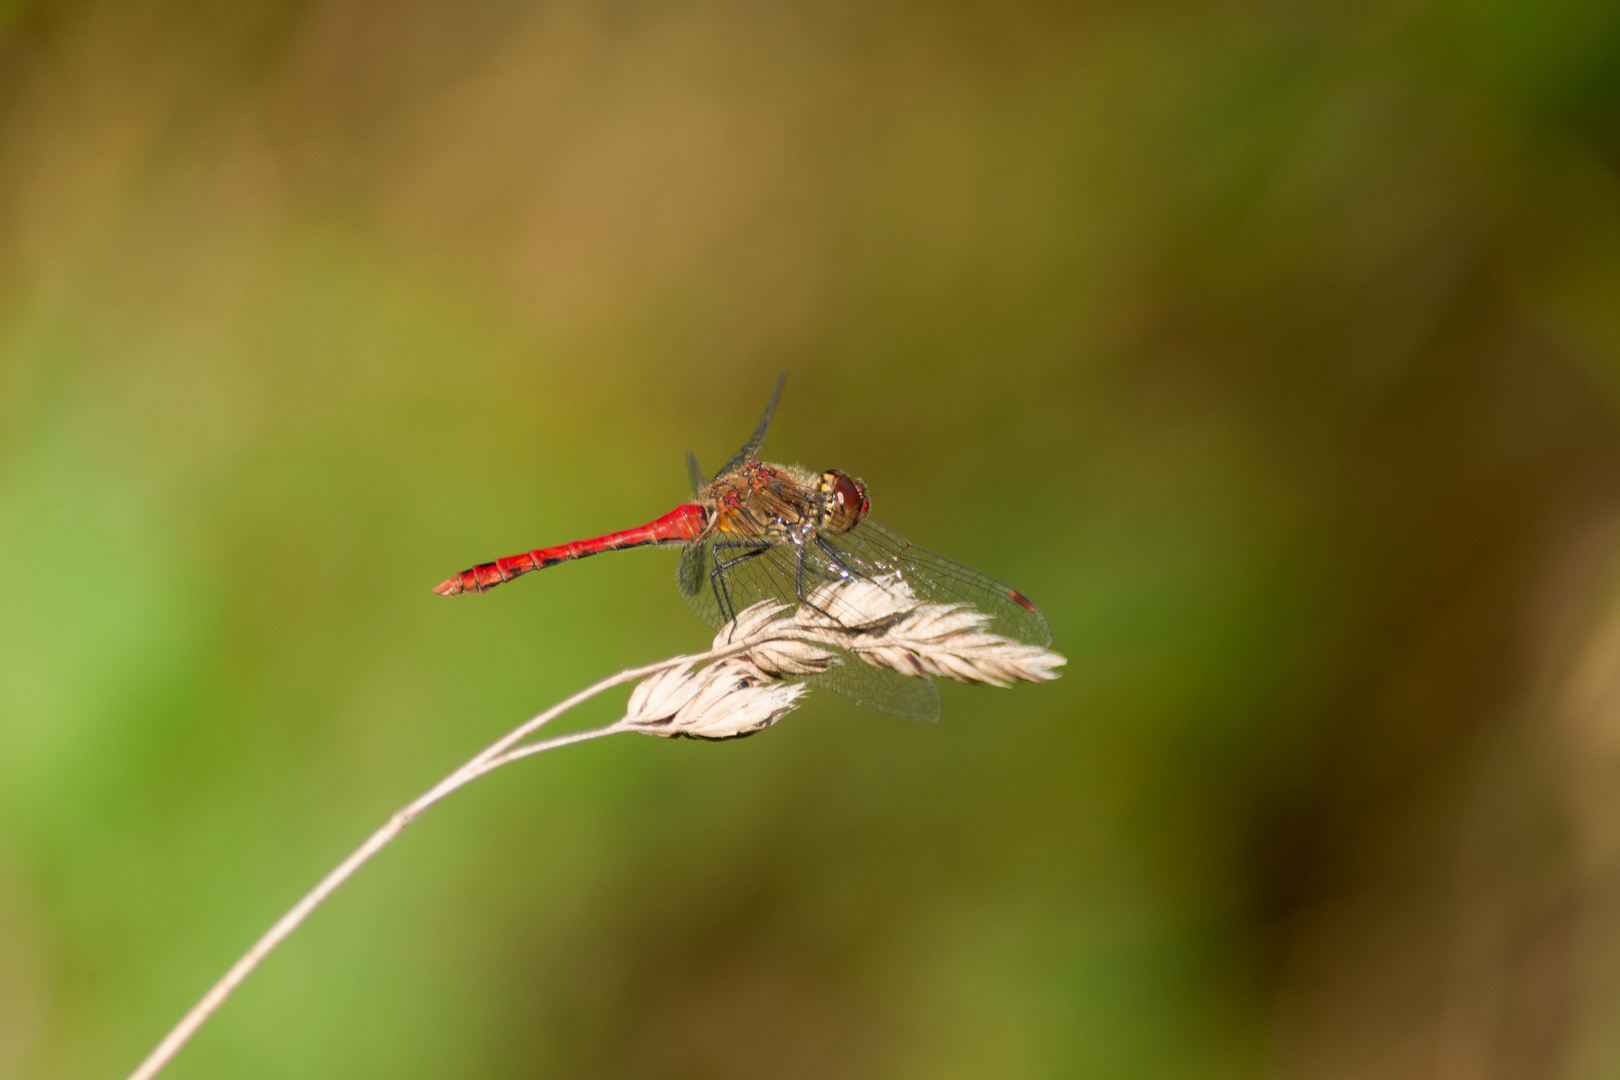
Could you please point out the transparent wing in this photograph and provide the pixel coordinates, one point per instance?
(723, 576)
(750, 451)
(871, 550)
(720, 578)
(695, 475)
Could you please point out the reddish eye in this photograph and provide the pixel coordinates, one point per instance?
(850, 494)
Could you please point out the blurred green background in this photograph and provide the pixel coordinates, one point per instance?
(1273, 348)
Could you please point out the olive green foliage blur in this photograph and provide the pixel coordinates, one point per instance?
(1274, 349)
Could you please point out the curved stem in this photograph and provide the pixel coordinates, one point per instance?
(501, 752)
(519, 752)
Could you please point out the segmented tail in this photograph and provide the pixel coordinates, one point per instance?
(682, 524)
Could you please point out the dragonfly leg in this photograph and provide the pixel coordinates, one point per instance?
(837, 558)
(717, 580)
(798, 583)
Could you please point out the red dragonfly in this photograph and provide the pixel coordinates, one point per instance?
(760, 531)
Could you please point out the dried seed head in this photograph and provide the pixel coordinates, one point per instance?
(881, 621)
(856, 603)
(779, 647)
(950, 640)
(878, 619)
(791, 656)
(724, 700)
(751, 622)
(657, 698)
(735, 703)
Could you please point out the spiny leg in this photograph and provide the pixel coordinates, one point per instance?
(802, 593)
(836, 558)
(717, 581)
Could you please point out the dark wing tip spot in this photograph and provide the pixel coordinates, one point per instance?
(1021, 600)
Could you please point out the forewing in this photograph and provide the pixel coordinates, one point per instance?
(870, 550)
(910, 697)
(750, 451)
(695, 475)
(749, 574)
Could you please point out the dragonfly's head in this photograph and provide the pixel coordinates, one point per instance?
(846, 500)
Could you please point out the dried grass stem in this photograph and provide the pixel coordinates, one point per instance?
(503, 751)
(738, 687)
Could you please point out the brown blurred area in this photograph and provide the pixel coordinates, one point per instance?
(1274, 348)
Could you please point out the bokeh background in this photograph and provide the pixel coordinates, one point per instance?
(1273, 348)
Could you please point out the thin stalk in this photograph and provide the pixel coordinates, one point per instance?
(503, 751)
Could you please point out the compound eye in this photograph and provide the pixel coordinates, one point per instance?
(850, 495)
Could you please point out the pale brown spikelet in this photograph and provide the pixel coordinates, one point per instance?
(753, 621)
(856, 603)
(785, 650)
(950, 640)
(735, 695)
(891, 629)
(659, 697)
(724, 700)
(779, 647)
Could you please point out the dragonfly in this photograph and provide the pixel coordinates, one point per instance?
(763, 531)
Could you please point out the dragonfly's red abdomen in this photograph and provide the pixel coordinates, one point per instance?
(680, 525)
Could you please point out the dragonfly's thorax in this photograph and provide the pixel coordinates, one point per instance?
(783, 502)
